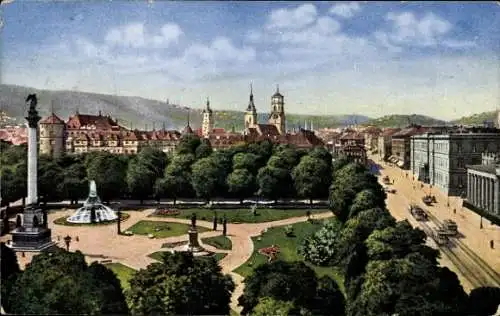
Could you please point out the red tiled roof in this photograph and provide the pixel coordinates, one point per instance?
(268, 130)
(390, 131)
(52, 119)
(78, 121)
(187, 130)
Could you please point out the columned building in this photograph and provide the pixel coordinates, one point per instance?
(440, 157)
(483, 188)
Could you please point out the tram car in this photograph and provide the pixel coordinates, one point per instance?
(450, 227)
(418, 213)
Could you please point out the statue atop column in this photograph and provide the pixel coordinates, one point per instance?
(33, 118)
(29, 234)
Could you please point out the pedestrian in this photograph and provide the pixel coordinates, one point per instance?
(454, 211)
(77, 239)
(492, 245)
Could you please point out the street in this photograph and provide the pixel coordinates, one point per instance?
(469, 255)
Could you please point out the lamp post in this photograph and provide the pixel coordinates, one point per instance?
(67, 241)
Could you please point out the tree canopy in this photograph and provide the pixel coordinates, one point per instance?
(61, 283)
(181, 285)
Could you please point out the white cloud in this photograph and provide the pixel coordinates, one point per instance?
(296, 18)
(135, 35)
(345, 10)
(408, 29)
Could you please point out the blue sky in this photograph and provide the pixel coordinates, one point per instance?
(372, 58)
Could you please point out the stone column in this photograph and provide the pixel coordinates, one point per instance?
(32, 165)
(474, 189)
(492, 196)
(478, 190)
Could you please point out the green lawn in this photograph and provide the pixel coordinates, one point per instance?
(123, 273)
(157, 256)
(219, 242)
(161, 229)
(288, 250)
(244, 215)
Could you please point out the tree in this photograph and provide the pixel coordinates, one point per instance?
(399, 241)
(329, 298)
(177, 180)
(74, 182)
(324, 155)
(349, 181)
(204, 149)
(321, 248)
(140, 180)
(13, 184)
(247, 161)
(292, 282)
(483, 301)
(113, 300)
(109, 172)
(50, 179)
(364, 200)
(9, 272)
(339, 163)
(153, 159)
(270, 307)
(406, 286)
(311, 178)
(241, 183)
(188, 144)
(62, 283)
(181, 284)
(206, 178)
(273, 183)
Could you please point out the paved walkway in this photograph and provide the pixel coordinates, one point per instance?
(103, 242)
(468, 222)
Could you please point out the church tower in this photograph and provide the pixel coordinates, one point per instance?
(277, 115)
(251, 112)
(207, 125)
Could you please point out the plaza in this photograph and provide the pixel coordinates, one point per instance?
(102, 243)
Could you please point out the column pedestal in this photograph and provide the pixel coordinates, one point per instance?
(30, 238)
(194, 245)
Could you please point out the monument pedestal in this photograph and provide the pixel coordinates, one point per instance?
(29, 237)
(194, 245)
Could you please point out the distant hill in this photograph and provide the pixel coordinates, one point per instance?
(477, 119)
(139, 112)
(404, 120)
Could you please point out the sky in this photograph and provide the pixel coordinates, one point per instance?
(372, 58)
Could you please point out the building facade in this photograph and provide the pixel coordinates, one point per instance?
(86, 133)
(483, 185)
(440, 158)
(401, 147)
(384, 148)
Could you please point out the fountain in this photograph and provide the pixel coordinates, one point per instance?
(92, 211)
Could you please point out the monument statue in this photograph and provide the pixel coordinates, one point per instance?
(215, 222)
(193, 220)
(29, 235)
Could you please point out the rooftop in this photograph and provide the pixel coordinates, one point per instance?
(491, 169)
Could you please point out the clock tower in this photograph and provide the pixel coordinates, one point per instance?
(277, 115)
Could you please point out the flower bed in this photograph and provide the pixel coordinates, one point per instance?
(270, 252)
(167, 212)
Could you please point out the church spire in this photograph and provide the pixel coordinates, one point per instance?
(277, 88)
(251, 104)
